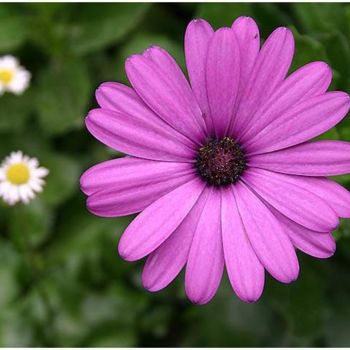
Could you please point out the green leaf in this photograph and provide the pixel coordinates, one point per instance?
(63, 179)
(96, 26)
(344, 129)
(338, 52)
(237, 324)
(337, 328)
(108, 305)
(270, 16)
(347, 15)
(89, 232)
(317, 17)
(63, 96)
(15, 110)
(49, 28)
(331, 134)
(26, 316)
(30, 224)
(342, 179)
(343, 231)
(121, 338)
(12, 323)
(223, 14)
(307, 49)
(13, 28)
(49, 10)
(300, 305)
(9, 287)
(162, 20)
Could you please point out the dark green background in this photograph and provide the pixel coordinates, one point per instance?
(61, 280)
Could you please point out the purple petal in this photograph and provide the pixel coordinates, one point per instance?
(248, 38)
(197, 37)
(336, 196)
(244, 269)
(206, 259)
(137, 137)
(121, 98)
(128, 185)
(159, 81)
(310, 80)
(269, 241)
(270, 68)
(306, 120)
(222, 78)
(130, 172)
(286, 195)
(166, 262)
(318, 244)
(158, 221)
(320, 158)
(125, 200)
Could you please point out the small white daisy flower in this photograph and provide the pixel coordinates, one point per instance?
(13, 77)
(21, 178)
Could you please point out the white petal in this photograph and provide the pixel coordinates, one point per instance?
(8, 62)
(20, 82)
(41, 172)
(33, 163)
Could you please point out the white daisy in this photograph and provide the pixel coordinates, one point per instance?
(21, 178)
(13, 77)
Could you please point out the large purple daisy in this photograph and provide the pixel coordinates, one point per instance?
(221, 169)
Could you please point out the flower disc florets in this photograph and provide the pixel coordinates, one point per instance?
(220, 162)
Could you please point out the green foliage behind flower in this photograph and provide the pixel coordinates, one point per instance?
(61, 280)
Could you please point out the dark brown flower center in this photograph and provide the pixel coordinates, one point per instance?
(220, 162)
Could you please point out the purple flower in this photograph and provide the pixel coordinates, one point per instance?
(221, 169)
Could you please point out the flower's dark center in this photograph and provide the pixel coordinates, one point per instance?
(220, 162)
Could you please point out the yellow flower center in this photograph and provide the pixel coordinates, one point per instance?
(6, 76)
(18, 174)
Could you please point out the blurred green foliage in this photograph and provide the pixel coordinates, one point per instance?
(61, 280)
